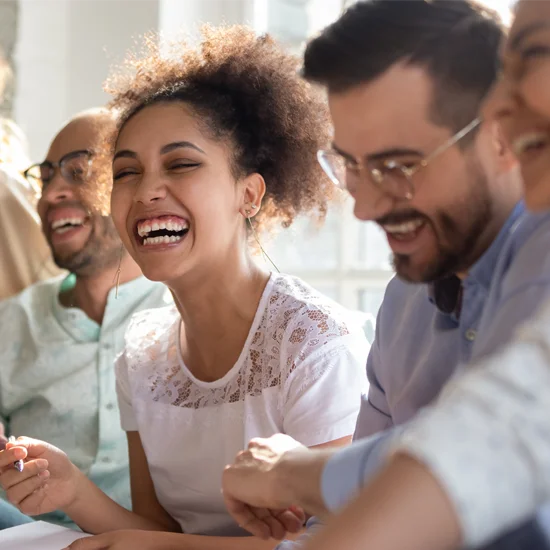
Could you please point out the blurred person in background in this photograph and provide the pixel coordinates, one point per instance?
(25, 257)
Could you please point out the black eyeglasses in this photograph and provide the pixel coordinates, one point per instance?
(75, 168)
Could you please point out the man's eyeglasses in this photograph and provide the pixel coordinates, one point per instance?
(393, 177)
(75, 168)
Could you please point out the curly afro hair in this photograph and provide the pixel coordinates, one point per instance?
(244, 89)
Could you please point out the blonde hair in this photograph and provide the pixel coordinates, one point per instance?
(13, 146)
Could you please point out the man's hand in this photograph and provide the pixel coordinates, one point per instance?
(252, 478)
(264, 487)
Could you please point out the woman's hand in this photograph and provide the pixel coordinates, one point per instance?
(122, 540)
(48, 481)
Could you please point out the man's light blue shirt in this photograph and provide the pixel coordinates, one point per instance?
(57, 377)
(427, 333)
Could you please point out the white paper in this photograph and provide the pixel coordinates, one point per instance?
(38, 535)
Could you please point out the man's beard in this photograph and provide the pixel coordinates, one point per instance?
(457, 238)
(101, 250)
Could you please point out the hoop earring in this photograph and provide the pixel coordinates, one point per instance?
(255, 235)
(118, 271)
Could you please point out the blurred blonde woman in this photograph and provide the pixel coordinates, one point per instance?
(24, 255)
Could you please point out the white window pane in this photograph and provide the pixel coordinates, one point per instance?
(370, 300)
(373, 250)
(307, 247)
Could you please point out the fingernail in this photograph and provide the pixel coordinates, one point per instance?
(44, 474)
(19, 453)
(42, 463)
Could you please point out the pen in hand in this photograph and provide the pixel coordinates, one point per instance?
(18, 464)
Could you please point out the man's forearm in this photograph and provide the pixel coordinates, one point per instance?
(387, 514)
(298, 478)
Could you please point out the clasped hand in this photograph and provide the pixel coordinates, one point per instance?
(253, 493)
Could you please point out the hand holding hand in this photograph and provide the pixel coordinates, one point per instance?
(253, 493)
(48, 481)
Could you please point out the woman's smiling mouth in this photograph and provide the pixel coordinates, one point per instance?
(161, 231)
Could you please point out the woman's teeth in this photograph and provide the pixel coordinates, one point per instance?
(163, 230)
(146, 227)
(162, 240)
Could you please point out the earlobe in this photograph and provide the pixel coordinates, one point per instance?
(253, 192)
(249, 210)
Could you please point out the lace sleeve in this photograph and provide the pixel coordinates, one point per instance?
(325, 375)
(124, 394)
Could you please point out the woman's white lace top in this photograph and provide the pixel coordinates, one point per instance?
(301, 372)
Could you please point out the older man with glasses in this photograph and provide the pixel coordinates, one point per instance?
(60, 337)
(405, 82)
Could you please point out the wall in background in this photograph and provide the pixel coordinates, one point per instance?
(8, 35)
(64, 52)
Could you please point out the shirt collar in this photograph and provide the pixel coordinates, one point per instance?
(446, 294)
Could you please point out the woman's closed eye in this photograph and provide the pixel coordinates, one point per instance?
(181, 165)
(123, 173)
(174, 167)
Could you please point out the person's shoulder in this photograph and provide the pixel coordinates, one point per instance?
(35, 296)
(28, 316)
(528, 255)
(528, 227)
(150, 323)
(400, 295)
(149, 331)
(297, 308)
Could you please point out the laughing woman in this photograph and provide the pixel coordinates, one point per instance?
(213, 145)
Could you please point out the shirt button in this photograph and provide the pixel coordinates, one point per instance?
(106, 460)
(470, 335)
(109, 406)
(106, 346)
